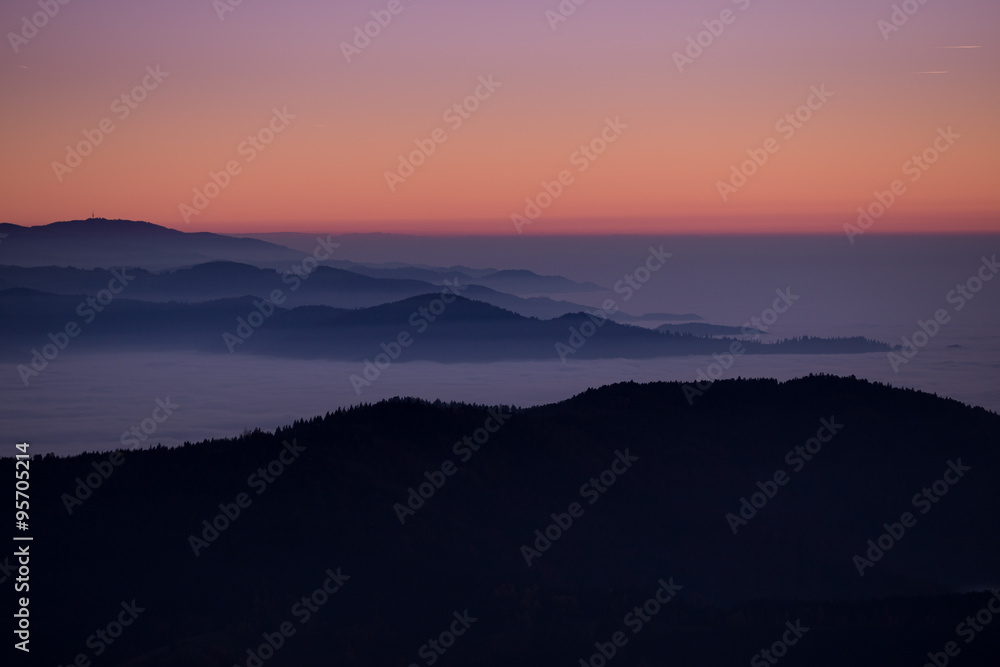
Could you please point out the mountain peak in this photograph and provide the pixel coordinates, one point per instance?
(103, 242)
(118, 226)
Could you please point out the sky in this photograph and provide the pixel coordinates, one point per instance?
(603, 117)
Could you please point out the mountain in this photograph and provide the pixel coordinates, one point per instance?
(436, 327)
(705, 329)
(178, 266)
(513, 281)
(656, 317)
(101, 243)
(239, 533)
(322, 285)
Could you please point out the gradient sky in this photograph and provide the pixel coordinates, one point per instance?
(326, 170)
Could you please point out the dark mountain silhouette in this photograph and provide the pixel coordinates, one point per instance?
(705, 329)
(323, 285)
(662, 518)
(97, 243)
(102, 243)
(513, 281)
(656, 317)
(462, 331)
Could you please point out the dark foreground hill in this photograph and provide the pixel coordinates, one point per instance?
(417, 519)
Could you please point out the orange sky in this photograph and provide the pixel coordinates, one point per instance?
(326, 170)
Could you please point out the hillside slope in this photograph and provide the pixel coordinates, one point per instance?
(338, 499)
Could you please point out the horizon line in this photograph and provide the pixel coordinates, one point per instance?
(688, 226)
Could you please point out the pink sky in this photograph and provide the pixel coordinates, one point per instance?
(893, 95)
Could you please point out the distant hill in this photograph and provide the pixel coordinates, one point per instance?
(321, 285)
(172, 265)
(705, 329)
(101, 243)
(332, 507)
(518, 281)
(461, 331)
